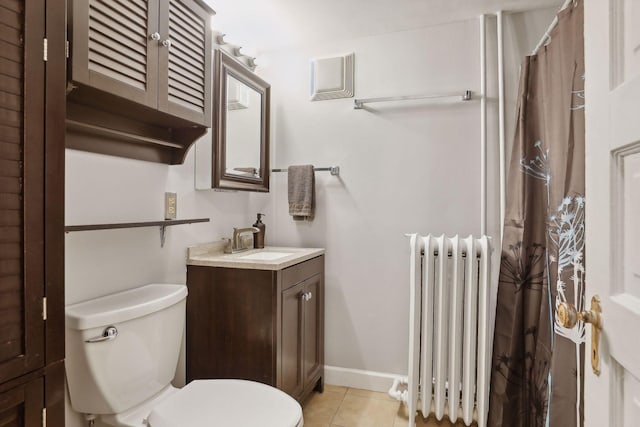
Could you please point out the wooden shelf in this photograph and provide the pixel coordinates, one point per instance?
(164, 223)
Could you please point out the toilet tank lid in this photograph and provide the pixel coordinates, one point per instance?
(123, 306)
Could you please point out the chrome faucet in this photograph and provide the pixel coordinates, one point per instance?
(235, 244)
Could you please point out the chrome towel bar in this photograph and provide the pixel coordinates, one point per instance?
(358, 104)
(335, 170)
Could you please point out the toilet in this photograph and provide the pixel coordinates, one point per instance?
(122, 352)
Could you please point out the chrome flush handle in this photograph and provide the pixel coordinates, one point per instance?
(110, 333)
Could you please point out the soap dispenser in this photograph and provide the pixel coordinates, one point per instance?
(258, 237)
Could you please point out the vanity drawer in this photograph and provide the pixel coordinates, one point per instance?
(299, 272)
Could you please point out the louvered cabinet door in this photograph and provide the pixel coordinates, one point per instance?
(115, 47)
(185, 61)
(22, 26)
(22, 406)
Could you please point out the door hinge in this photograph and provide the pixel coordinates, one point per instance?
(44, 49)
(66, 48)
(44, 308)
(44, 417)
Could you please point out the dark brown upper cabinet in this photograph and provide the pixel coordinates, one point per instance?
(139, 77)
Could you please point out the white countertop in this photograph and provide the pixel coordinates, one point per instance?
(212, 255)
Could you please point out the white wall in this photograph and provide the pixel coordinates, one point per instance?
(405, 167)
(105, 189)
(409, 167)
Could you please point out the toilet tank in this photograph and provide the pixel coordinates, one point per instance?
(112, 375)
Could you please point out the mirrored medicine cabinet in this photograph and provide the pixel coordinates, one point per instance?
(234, 155)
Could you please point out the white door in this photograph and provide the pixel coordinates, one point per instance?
(612, 86)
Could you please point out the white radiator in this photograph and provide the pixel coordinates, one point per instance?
(450, 342)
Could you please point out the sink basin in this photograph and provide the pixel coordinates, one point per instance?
(265, 256)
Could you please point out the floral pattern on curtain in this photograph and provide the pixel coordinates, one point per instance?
(537, 365)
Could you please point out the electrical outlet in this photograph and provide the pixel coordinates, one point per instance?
(170, 205)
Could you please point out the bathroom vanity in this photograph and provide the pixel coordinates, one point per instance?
(257, 315)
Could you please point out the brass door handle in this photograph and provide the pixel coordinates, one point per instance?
(568, 317)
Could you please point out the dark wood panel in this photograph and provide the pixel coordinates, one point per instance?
(22, 406)
(10, 35)
(292, 341)
(138, 8)
(299, 272)
(9, 140)
(188, 44)
(182, 56)
(10, 68)
(129, 25)
(182, 14)
(54, 394)
(238, 309)
(9, 168)
(186, 72)
(10, 251)
(10, 185)
(220, 299)
(10, 267)
(55, 114)
(10, 234)
(9, 350)
(9, 218)
(10, 16)
(186, 91)
(183, 81)
(10, 84)
(22, 124)
(313, 358)
(10, 51)
(14, 5)
(139, 49)
(10, 283)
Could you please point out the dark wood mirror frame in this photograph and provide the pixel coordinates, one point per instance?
(224, 66)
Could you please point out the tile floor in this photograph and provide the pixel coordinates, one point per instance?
(350, 407)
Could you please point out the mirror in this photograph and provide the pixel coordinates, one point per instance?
(241, 131)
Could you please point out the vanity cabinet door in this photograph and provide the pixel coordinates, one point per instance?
(313, 307)
(185, 61)
(292, 340)
(115, 47)
(22, 406)
(302, 337)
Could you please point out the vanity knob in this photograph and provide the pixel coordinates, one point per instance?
(306, 296)
(166, 43)
(155, 36)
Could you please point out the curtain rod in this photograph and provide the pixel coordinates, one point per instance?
(547, 35)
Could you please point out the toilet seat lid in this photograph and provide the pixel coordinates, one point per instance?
(227, 403)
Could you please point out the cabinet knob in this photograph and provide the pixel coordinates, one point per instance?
(306, 296)
(155, 36)
(166, 43)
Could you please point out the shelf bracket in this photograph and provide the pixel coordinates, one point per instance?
(163, 235)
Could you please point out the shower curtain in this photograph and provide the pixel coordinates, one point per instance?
(537, 365)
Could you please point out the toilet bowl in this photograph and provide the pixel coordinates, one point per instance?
(122, 352)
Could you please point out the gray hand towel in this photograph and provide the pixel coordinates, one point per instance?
(301, 192)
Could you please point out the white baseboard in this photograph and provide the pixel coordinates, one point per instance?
(356, 378)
